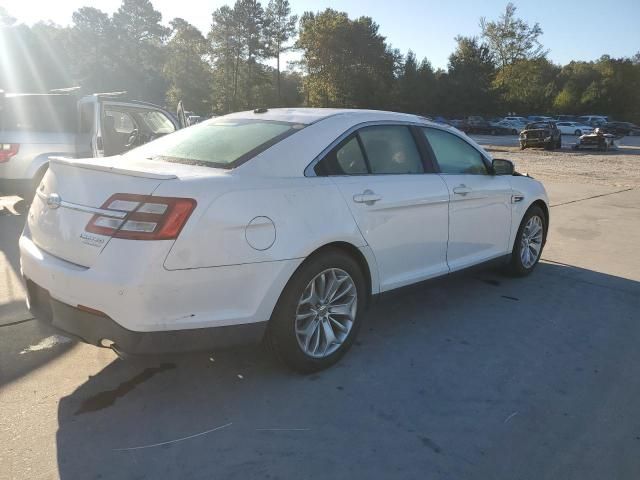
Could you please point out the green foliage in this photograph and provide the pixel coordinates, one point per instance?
(511, 39)
(471, 72)
(345, 63)
(280, 27)
(185, 68)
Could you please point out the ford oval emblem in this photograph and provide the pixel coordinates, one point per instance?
(53, 201)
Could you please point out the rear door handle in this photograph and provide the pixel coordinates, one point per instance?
(461, 190)
(367, 197)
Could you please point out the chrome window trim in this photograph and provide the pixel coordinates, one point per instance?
(309, 170)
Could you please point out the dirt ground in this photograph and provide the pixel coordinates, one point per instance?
(619, 168)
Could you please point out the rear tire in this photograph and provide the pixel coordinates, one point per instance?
(530, 238)
(303, 319)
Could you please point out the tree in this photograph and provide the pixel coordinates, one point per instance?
(139, 44)
(186, 71)
(91, 46)
(511, 39)
(6, 20)
(249, 16)
(528, 85)
(226, 50)
(280, 27)
(348, 63)
(471, 73)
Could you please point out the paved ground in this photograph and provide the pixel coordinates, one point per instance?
(477, 376)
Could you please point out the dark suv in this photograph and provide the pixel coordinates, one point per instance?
(541, 134)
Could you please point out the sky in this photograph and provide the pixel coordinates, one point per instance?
(573, 30)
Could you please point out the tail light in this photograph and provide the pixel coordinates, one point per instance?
(8, 150)
(148, 217)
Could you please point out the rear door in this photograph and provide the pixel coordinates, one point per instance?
(480, 203)
(398, 203)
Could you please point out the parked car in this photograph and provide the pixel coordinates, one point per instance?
(573, 128)
(282, 223)
(517, 119)
(539, 118)
(541, 134)
(566, 118)
(593, 120)
(598, 140)
(478, 125)
(621, 129)
(513, 126)
(34, 127)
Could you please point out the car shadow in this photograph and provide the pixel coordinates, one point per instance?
(444, 379)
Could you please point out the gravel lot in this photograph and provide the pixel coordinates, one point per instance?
(619, 168)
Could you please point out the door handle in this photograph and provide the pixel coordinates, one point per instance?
(367, 197)
(461, 190)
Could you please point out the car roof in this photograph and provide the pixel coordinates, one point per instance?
(308, 116)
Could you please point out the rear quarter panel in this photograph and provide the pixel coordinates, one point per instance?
(307, 213)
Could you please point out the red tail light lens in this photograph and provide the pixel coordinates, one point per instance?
(8, 150)
(147, 217)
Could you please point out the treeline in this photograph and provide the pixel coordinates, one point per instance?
(344, 62)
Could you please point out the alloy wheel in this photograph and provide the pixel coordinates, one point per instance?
(531, 241)
(326, 312)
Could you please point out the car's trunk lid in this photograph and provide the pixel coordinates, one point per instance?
(69, 195)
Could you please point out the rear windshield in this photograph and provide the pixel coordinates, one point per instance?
(39, 113)
(217, 143)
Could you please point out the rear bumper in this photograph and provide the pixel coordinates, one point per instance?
(131, 287)
(95, 329)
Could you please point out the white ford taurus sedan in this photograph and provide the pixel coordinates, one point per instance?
(277, 224)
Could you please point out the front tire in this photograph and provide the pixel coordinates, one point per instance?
(529, 242)
(319, 312)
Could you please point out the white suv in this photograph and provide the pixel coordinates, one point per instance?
(35, 127)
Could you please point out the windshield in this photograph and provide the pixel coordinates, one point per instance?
(217, 143)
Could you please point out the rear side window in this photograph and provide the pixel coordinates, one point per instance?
(391, 149)
(454, 155)
(40, 113)
(216, 143)
(157, 122)
(346, 159)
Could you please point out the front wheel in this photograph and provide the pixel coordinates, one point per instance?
(319, 312)
(529, 242)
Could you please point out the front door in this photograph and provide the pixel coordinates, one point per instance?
(480, 203)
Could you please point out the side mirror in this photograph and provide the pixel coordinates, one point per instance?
(502, 167)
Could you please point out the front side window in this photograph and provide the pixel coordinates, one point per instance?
(219, 143)
(391, 149)
(453, 154)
